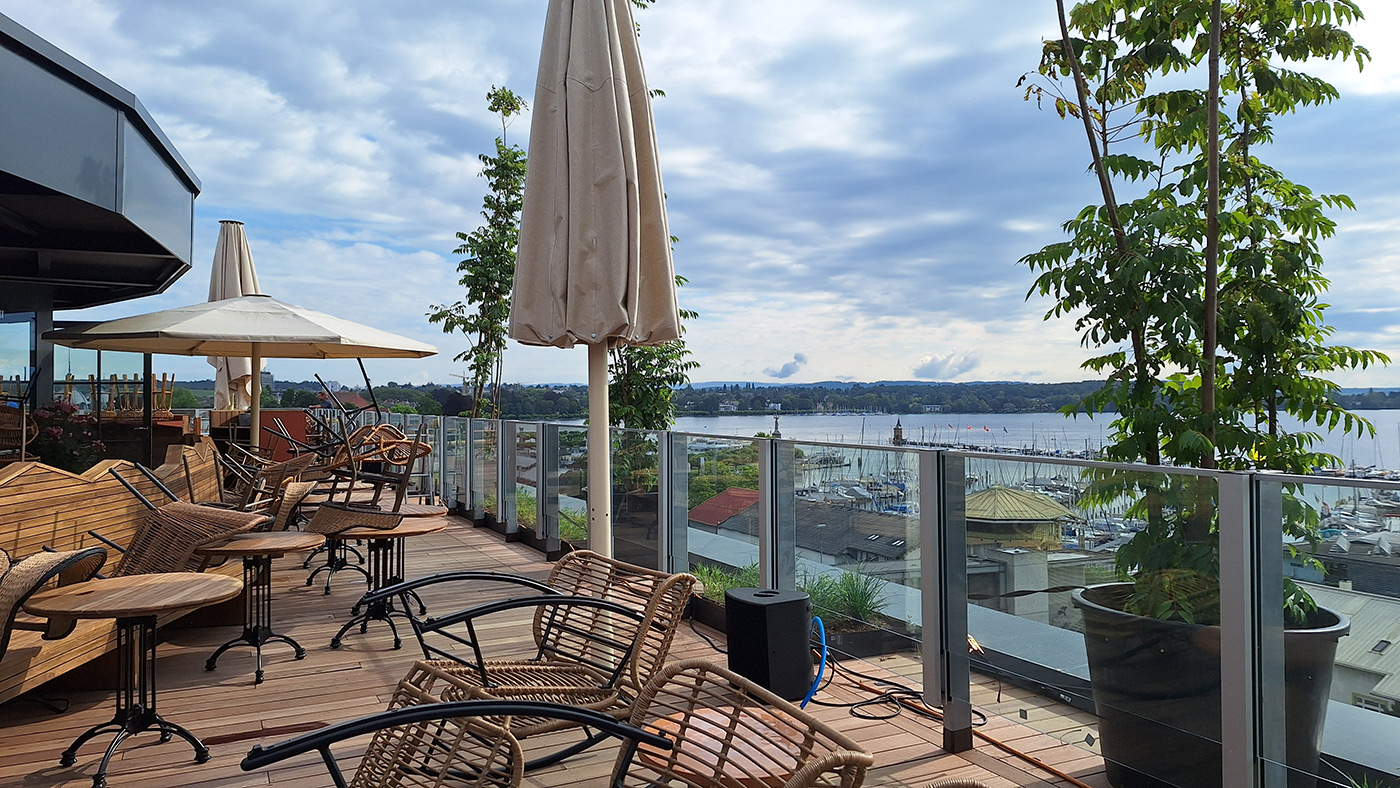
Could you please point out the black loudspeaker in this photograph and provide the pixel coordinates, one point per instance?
(768, 635)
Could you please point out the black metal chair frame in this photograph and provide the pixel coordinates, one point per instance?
(322, 740)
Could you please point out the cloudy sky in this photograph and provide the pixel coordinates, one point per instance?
(852, 183)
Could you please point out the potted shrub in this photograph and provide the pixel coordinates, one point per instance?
(66, 438)
(1197, 280)
(1153, 643)
(851, 606)
(707, 602)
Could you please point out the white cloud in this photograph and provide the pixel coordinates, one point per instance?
(857, 181)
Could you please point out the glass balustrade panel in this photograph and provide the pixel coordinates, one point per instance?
(636, 475)
(526, 473)
(848, 523)
(484, 454)
(721, 500)
(573, 484)
(1330, 629)
(1056, 648)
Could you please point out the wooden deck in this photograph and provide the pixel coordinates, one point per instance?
(231, 714)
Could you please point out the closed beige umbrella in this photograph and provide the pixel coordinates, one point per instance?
(232, 275)
(594, 261)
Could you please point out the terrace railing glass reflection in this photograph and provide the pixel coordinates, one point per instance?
(905, 552)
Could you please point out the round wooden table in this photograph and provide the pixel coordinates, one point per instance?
(257, 551)
(386, 567)
(134, 601)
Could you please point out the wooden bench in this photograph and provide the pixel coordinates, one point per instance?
(43, 506)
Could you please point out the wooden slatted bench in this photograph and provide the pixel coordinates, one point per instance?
(43, 506)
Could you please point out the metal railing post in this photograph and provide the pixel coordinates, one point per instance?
(783, 520)
(1243, 621)
(948, 542)
(547, 483)
(505, 477)
(767, 553)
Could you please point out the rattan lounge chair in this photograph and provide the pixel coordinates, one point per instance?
(695, 725)
(20, 579)
(601, 629)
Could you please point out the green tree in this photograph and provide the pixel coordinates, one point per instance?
(488, 270)
(298, 398)
(642, 380)
(182, 397)
(1202, 290)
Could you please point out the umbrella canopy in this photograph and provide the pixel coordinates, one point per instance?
(232, 275)
(594, 261)
(258, 326)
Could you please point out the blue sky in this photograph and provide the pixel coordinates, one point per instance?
(852, 183)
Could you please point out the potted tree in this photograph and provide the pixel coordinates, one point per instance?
(1153, 643)
(1203, 289)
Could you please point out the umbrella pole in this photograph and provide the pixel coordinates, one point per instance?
(599, 453)
(255, 407)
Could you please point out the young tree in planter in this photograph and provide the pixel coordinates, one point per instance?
(642, 380)
(1199, 366)
(488, 270)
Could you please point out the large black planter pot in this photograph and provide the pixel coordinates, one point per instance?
(1157, 691)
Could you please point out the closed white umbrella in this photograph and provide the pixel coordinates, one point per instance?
(258, 326)
(232, 275)
(594, 261)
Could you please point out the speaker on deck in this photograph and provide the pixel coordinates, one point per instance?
(768, 635)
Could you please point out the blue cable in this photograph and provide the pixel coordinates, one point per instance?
(821, 668)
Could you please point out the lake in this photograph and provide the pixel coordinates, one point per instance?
(1040, 431)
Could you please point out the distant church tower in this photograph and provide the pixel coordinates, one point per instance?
(898, 434)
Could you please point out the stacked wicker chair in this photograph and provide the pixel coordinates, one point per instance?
(694, 725)
(286, 511)
(601, 629)
(20, 579)
(166, 541)
(330, 520)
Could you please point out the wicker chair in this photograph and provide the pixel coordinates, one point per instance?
(17, 431)
(695, 725)
(167, 539)
(20, 579)
(331, 519)
(286, 510)
(601, 628)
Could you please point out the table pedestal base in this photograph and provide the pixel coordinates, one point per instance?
(257, 616)
(386, 567)
(136, 699)
(337, 559)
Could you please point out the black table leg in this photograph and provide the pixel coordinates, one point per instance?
(337, 558)
(136, 699)
(386, 565)
(257, 615)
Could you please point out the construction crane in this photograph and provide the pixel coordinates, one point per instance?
(464, 378)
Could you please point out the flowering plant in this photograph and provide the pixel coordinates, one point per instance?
(67, 439)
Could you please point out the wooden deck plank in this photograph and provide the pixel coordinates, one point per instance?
(332, 685)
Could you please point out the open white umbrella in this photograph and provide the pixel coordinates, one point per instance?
(232, 275)
(594, 262)
(257, 326)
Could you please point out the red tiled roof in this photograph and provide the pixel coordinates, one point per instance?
(724, 506)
